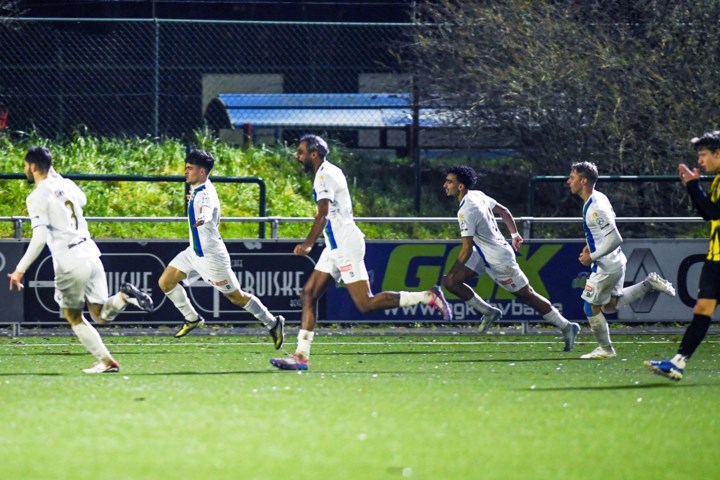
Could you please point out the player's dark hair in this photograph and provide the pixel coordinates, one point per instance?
(465, 175)
(41, 157)
(709, 140)
(315, 144)
(200, 158)
(586, 170)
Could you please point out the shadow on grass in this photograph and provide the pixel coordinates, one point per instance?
(39, 354)
(134, 374)
(426, 352)
(189, 373)
(647, 386)
(516, 360)
(116, 352)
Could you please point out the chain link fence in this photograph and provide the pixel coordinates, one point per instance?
(157, 77)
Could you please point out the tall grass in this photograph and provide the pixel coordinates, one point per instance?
(379, 188)
(288, 189)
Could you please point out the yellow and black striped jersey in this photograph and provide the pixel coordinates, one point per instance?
(709, 208)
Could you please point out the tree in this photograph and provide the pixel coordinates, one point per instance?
(9, 9)
(625, 84)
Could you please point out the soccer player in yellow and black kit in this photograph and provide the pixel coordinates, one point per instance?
(708, 205)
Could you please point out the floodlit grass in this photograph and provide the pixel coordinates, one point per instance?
(461, 407)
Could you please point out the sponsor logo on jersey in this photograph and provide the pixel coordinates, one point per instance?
(588, 288)
(346, 268)
(219, 283)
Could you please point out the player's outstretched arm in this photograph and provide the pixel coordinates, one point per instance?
(37, 242)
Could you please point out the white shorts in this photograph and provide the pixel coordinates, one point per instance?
(601, 286)
(86, 281)
(215, 271)
(509, 276)
(346, 263)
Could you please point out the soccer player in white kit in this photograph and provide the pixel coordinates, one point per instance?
(485, 250)
(207, 256)
(604, 292)
(55, 208)
(343, 256)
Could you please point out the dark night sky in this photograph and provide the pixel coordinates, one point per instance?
(284, 10)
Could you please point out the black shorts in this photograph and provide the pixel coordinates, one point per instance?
(710, 281)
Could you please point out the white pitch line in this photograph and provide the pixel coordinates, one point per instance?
(236, 344)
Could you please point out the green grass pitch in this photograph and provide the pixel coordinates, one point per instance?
(390, 407)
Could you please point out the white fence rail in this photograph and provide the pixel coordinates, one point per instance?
(525, 223)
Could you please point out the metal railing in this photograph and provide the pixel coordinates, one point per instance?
(275, 222)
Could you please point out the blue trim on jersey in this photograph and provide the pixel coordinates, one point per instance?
(314, 196)
(477, 247)
(588, 235)
(191, 218)
(587, 308)
(330, 235)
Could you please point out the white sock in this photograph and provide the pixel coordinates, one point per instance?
(480, 305)
(633, 292)
(90, 338)
(305, 338)
(179, 298)
(112, 307)
(554, 318)
(256, 307)
(413, 298)
(599, 327)
(679, 360)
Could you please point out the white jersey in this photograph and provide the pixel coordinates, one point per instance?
(330, 184)
(477, 220)
(205, 239)
(58, 203)
(598, 222)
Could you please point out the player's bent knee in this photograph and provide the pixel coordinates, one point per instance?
(238, 297)
(450, 282)
(364, 307)
(166, 284)
(308, 295)
(96, 313)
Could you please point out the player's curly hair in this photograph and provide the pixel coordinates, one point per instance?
(315, 143)
(586, 170)
(41, 157)
(465, 175)
(709, 140)
(200, 158)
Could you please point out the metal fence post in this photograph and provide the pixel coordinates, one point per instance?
(18, 228)
(156, 79)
